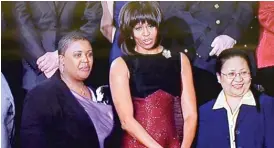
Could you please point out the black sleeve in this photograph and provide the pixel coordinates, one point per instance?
(36, 117)
(92, 17)
(28, 35)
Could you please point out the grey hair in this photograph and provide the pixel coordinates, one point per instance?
(69, 38)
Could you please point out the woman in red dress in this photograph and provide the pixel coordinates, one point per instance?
(265, 50)
(146, 82)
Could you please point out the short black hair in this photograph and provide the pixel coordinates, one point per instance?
(67, 39)
(133, 13)
(230, 53)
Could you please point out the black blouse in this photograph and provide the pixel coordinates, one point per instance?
(151, 72)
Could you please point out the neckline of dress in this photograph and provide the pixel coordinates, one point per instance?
(83, 97)
(154, 54)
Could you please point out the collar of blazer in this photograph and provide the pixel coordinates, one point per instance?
(68, 102)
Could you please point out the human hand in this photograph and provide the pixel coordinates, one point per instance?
(48, 62)
(50, 73)
(108, 6)
(106, 26)
(220, 43)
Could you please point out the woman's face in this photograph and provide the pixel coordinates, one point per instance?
(235, 77)
(145, 36)
(78, 60)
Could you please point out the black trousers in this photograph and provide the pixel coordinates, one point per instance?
(265, 77)
(206, 85)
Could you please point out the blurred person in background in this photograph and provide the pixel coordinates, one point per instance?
(110, 26)
(202, 30)
(265, 49)
(41, 25)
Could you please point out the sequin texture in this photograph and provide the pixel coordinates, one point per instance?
(156, 114)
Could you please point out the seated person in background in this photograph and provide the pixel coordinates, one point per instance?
(240, 116)
(60, 112)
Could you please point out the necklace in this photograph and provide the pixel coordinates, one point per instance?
(82, 91)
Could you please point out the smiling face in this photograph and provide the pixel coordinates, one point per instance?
(145, 36)
(78, 60)
(235, 86)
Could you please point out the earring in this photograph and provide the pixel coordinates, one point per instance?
(62, 68)
(131, 38)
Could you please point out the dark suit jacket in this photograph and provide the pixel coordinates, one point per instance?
(196, 24)
(53, 118)
(41, 24)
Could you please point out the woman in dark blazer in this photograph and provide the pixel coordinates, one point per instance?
(60, 113)
(239, 117)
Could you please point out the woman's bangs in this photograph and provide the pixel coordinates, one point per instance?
(144, 16)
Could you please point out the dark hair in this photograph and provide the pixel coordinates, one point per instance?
(230, 53)
(69, 38)
(233, 52)
(133, 13)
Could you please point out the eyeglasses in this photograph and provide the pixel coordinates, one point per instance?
(232, 75)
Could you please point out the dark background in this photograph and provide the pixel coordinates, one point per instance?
(13, 71)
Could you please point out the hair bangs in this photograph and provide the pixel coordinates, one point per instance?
(146, 15)
(231, 53)
(140, 12)
(132, 14)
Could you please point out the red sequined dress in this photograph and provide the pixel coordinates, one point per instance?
(155, 85)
